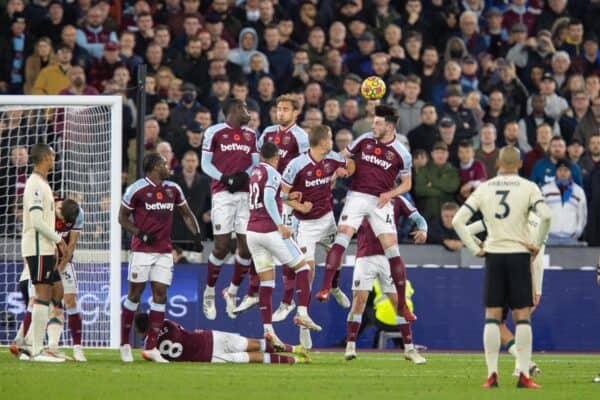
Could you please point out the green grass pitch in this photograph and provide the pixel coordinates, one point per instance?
(373, 376)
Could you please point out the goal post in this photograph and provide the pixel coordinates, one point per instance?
(86, 133)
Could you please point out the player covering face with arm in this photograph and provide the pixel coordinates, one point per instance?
(379, 159)
(177, 344)
(147, 214)
(505, 203)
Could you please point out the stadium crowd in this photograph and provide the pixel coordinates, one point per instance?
(467, 77)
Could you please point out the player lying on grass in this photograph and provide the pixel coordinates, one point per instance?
(371, 265)
(507, 337)
(177, 344)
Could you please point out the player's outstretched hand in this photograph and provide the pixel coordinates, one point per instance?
(198, 245)
(305, 207)
(146, 237)
(384, 198)
(285, 232)
(419, 236)
(295, 196)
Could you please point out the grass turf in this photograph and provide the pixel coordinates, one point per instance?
(372, 376)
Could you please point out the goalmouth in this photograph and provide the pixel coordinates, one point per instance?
(86, 133)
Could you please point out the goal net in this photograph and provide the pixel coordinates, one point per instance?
(85, 132)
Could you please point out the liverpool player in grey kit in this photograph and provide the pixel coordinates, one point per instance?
(151, 202)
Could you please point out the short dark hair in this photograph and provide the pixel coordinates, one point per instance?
(152, 160)
(269, 150)
(557, 138)
(389, 113)
(70, 211)
(428, 104)
(450, 206)
(39, 151)
(141, 322)
(318, 133)
(465, 143)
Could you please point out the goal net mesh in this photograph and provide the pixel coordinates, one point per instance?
(81, 138)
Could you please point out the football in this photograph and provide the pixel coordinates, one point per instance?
(373, 88)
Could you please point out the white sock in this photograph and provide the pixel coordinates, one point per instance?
(409, 347)
(55, 329)
(302, 311)
(266, 358)
(263, 345)
(491, 345)
(232, 289)
(39, 318)
(268, 328)
(209, 291)
(523, 343)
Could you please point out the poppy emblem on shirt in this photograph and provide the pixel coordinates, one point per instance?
(277, 140)
(237, 137)
(389, 156)
(318, 173)
(159, 196)
(377, 151)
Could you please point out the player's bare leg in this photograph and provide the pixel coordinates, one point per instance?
(265, 303)
(266, 345)
(128, 309)
(333, 262)
(156, 319)
(57, 319)
(215, 261)
(75, 325)
(241, 267)
(359, 302)
(389, 243)
(302, 270)
(410, 352)
(304, 333)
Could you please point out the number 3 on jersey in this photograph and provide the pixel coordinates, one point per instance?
(254, 196)
(505, 207)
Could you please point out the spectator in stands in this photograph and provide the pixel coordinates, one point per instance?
(165, 150)
(232, 24)
(80, 55)
(154, 58)
(77, 83)
(424, 135)
(220, 93)
(248, 40)
(590, 59)
(43, 55)
(591, 168)
(127, 55)
(573, 44)
(52, 23)
(545, 169)
(54, 78)
(15, 47)
(318, 74)
(528, 125)
(567, 202)
(441, 230)
(560, 66)
(280, 58)
(93, 36)
(520, 12)
(554, 104)
(240, 91)
(331, 114)
(412, 59)
(162, 37)
(452, 73)
(359, 62)
(396, 86)
(590, 159)
(151, 141)
(255, 123)
(589, 125)
(203, 117)
(161, 114)
(463, 118)
(145, 32)
(487, 152)
(474, 41)
(472, 172)
(266, 98)
(580, 108)
(470, 79)
(447, 130)
(313, 95)
(365, 124)
(511, 135)
(312, 118)
(496, 113)
(183, 113)
(540, 149)
(104, 68)
(193, 65)
(410, 109)
(436, 183)
(343, 138)
(191, 140)
(472, 103)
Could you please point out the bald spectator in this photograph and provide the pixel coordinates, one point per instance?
(80, 54)
(312, 118)
(92, 36)
(77, 83)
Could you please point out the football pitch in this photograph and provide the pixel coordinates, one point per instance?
(372, 376)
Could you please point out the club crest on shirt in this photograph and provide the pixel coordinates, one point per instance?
(149, 195)
(225, 136)
(247, 136)
(368, 147)
(389, 156)
(169, 192)
(327, 168)
(286, 140)
(309, 173)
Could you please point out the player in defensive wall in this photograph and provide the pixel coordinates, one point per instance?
(380, 159)
(147, 214)
(175, 343)
(372, 266)
(505, 203)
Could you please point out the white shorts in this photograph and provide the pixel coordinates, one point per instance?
(266, 246)
(153, 267)
(367, 269)
(316, 231)
(229, 348)
(69, 280)
(230, 213)
(360, 205)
